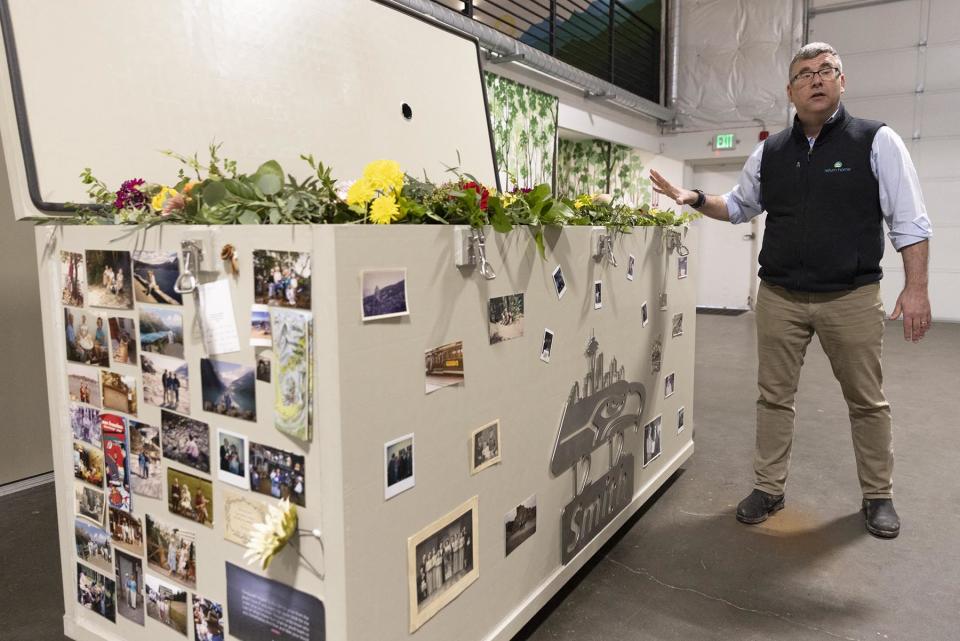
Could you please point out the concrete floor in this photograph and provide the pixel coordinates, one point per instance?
(684, 569)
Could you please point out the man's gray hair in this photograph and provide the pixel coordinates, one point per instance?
(812, 50)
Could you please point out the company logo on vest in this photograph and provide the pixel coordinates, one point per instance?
(837, 168)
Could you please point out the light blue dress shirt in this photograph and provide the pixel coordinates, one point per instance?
(900, 199)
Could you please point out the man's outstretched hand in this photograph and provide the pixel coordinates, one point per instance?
(662, 186)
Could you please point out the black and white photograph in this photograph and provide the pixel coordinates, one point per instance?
(85, 424)
(597, 294)
(229, 389)
(505, 318)
(93, 545)
(129, 573)
(185, 440)
(145, 453)
(443, 366)
(83, 385)
(207, 620)
(485, 447)
(631, 265)
(166, 382)
(682, 267)
(384, 293)
(232, 467)
(263, 367)
(559, 284)
(398, 466)
(167, 603)
(126, 531)
(119, 391)
(89, 503)
(442, 561)
(190, 497)
(277, 473)
(161, 331)
(679, 420)
(172, 552)
(260, 335)
(281, 279)
(677, 325)
(86, 337)
(109, 279)
(644, 315)
(520, 523)
(668, 384)
(96, 592)
(546, 346)
(651, 440)
(123, 340)
(154, 275)
(73, 279)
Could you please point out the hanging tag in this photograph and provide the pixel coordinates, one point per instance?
(217, 322)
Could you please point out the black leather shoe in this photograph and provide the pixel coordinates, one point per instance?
(758, 506)
(882, 519)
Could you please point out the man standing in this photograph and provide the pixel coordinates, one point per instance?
(826, 184)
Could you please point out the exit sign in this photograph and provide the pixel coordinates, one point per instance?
(724, 141)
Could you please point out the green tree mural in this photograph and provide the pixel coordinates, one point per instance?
(524, 124)
(628, 179)
(599, 167)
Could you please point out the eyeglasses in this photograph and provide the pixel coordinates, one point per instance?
(826, 74)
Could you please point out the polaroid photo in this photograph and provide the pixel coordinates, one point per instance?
(668, 385)
(644, 315)
(145, 454)
(73, 279)
(546, 346)
(277, 473)
(89, 503)
(559, 284)
(520, 523)
(229, 389)
(172, 552)
(166, 603)
(96, 592)
(129, 573)
(597, 294)
(681, 267)
(161, 331)
(123, 340)
(126, 531)
(85, 424)
(83, 385)
(185, 440)
(260, 326)
(93, 545)
(88, 464)
(677, 325)
(86, 337)
(207, 620)
(505, 318)
(119, 392)
(117, 460)
(631, 264)
(166, 382)
(679, 420)
(281, 279)
(384, 293)
(233, 459)
(109, 279)
(485, 447)
(263, 367)
(154, 276)
(398, 466)
(443, 366)
(436, 575)
(651, 440)
(190, 496)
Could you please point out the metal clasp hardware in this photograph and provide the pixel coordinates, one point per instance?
(675, 241)
(604, 248)
(192, 252)
(478, 250)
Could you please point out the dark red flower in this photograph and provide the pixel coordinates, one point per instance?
(129, 197)
(480, 189)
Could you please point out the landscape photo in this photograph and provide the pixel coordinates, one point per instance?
(73, 279)
(384, 293)
(185, 440)
(166, 603)
(260, 326)
(161, 331)
(229, 389)
(281, 279)
(154, 275)
(93, 545)
(145, 453)
(109, 279)
(166, 382)
(520, 523)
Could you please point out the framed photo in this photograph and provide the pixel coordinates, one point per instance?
(682, 267)
(505, 318)
(384, 294)
(651, 440)
(485, 447)
(677, 325)
(442, 562)
(679, 420)
(96, 592)
(631, 264)
(644, 315)
(520, 523)
(597, 294)
(669, 384)
(190, 496)
(443, 366)
(546, 346)
(398, 466)
(232, 465)
(559, 284)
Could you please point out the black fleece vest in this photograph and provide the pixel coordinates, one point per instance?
(824, 229)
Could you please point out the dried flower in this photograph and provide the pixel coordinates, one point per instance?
(271, 536)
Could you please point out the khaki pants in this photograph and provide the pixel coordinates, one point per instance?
(850, 328)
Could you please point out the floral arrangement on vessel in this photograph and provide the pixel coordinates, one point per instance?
(216, 193)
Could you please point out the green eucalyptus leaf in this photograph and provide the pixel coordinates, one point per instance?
(214, 193)
(274, 217)
(249, 217)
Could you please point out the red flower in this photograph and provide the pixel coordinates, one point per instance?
(480, 189)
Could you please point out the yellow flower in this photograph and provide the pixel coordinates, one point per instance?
(385, 210)
(583, 201)
(360, 193)
(161, 197)
(384, 176)
(507, 198)
(271, 536)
